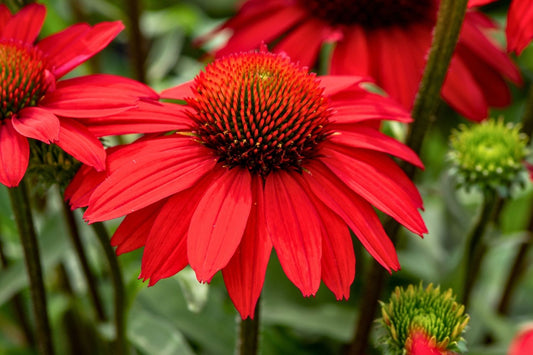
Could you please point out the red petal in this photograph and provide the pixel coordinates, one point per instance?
(37, 123)
(261, 29)
(26, 24)
(352, 45)
(165, 253)
(179, 92)
(132, 233)
(75, 139)
(5, 15)
(365, 174)
(245, 273)
(304, 42)
(219, 222)
(147, 117)
(356, 212)
(14, 155)
(295, 229)
(82, 186)
(338, 257)
(334, 84)
(150, 171)
(519, 28)
(74, 45)
(360, 136)
(472, 3)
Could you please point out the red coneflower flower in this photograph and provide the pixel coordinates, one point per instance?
(519, 28)
(71, 113)
(268, 156)
(386, 40)
(522, 343)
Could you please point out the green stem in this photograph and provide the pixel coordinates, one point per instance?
(249, 333)
(137, 40)
(450, 18)
(22, 211)
(476, 248)
(118, 286)
(84, 262)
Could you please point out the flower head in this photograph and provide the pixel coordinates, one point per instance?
(522, 343)
(268, 156)
(383, 39)
(71, 113)
(423, 321)
(489, 155)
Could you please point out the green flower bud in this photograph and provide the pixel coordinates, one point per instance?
(430, 312)
(489, 156)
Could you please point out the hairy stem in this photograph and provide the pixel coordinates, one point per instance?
(249, 333)
(121, 347)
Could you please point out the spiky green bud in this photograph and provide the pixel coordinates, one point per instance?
(489, 156)
(428, 311)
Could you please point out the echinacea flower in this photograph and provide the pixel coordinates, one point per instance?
(269, 156)
(522, 343)
(70, 113)
(385, 40)
(519, 28)
(423, 321)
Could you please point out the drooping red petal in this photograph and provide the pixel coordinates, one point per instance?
(295, 229)
(5, 15)
(245, 273)
(86, 180)
(360, 136)
(356, 213)
(363, 173)
(14, 155)
(219, 222)
(303, 43)
(75, 139)
(473, 3)
(338, 257)
(461, 91)
(152, 170)
(352, 45)
(26, 24)
(486, 52)
(37, 123)
(76, 44)
(519, 28)
(133, 231)
(261, 29)
(165, 252)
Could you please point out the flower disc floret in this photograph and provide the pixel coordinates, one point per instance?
(489, 155)
(415, 310)
(370, 13)
(23, 77)
(260, 111)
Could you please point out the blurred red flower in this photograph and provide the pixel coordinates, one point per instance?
(522, 343)
(71, 113)
(269, 156)
(519, 29)
(385, 40)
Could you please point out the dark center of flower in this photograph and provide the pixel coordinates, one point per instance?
(371, 13)
(23, 77)
(260, 111)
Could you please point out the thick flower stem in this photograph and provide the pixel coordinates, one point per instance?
(23, 217)
(450, 18)
(476, 248)
(82, 257)
(137, 40)
(121, 347)
(249, 333)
